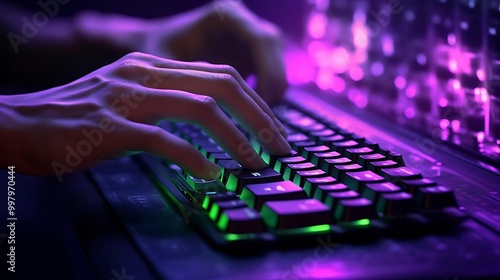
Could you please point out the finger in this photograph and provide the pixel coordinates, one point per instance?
(228, 93)
(221, 69)
(204, 112)
(152, 139)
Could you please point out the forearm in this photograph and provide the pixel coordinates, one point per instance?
(10, 152)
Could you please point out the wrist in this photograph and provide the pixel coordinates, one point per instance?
(8, 140)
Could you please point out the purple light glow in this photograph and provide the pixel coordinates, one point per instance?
(452, 39)
(443, 102)
(359, 35)
(377, 69)
(338, 84)
(324, 80)
(480, 75)
(339, 59)
(299, 67)
(358, 98)
(410, 113)
(356, 73)
(453, 66)
(317, 25)
(455, 84)
(387, 45)
(444, 123)
(421, 59)
(400, 82)
(411, 90)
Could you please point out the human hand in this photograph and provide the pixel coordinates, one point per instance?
(112, 111)
(223, 32)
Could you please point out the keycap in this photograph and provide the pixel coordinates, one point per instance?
(241, 220)
(215, 157)
(295, 213)
(398, 174)
(281, 163)
(364, 160)
(203, 141)
(210, 198)
(221, 206)
(343, 145)
(354, 153)
(299, 146)
(297, 137)
(271, 159)
(396, 204)
(208, 150)
(437, 197)
(328, 163)
(376, 166)
(333, 198)
(312, 183)
(202, 185)
(255, 195)
(328, 140)
(373, 191)
(396, 157)
(292, 168)
(238, 178)
(323, 190)
(323, 133)
(412, 186)
(355, 209)
(302, 175)
(226, 166)
(318, 158)
(357, 180)
(338, 171)
(307, 152)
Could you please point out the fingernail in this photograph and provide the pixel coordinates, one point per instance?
(284, 145)
(214, 171)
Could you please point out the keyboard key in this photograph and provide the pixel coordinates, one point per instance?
(376, 166)
(221, 206)
(311, 184)
(203, 141)
(281, 163)
(299, 146)
(323, 190)
(271, 159)
(354, 153)
(338, 171)
(333, 198)
(398, 174)
(217, 197)
(437, 197)
(241, 220)
(295, 213)
(297, 137)
(357, 180)
(205, 186)
(328, 140)
(215, 157)
(355, 209)
(307, 152)
(323, 133)
(302, 175)
(256, 195)
(412, 186)
(373, 191)
(328, 163)
(396, 157)
(208, 150)
(228, 165)
(292, 168)
(343, 145)
(396, 204)
(238, 178)
(318, 158)
(364, 160)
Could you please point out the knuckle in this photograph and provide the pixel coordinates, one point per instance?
(205, 107)
(228, 81)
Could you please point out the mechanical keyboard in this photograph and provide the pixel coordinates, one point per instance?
(334, 183)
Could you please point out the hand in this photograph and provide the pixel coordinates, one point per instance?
(112, 111)
(223, 31)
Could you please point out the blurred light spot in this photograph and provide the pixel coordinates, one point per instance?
(300, 68)
(340, 59)
(324, 80)
(359, 35)
(388, 45)
(410, 113)
(317, 25)
(464, 25)
(480, 94)
(443, 102)
(480, 75)
(358, 98)
(492, 31)
(359, 16)
(480, 137)
(455, 125)
(444, 123)
(338, 84)
(356, 73)
(315, 46)
(411, 90)
(410, 16)
(400, 82)
(455, 84)
(360, 56)
(322, 5)
(377, 69)
(452, 39)
(421, 59)
(453, 66)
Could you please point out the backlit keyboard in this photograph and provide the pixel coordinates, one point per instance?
(334, 182)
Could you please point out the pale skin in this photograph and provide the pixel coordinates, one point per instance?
(127, 98)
